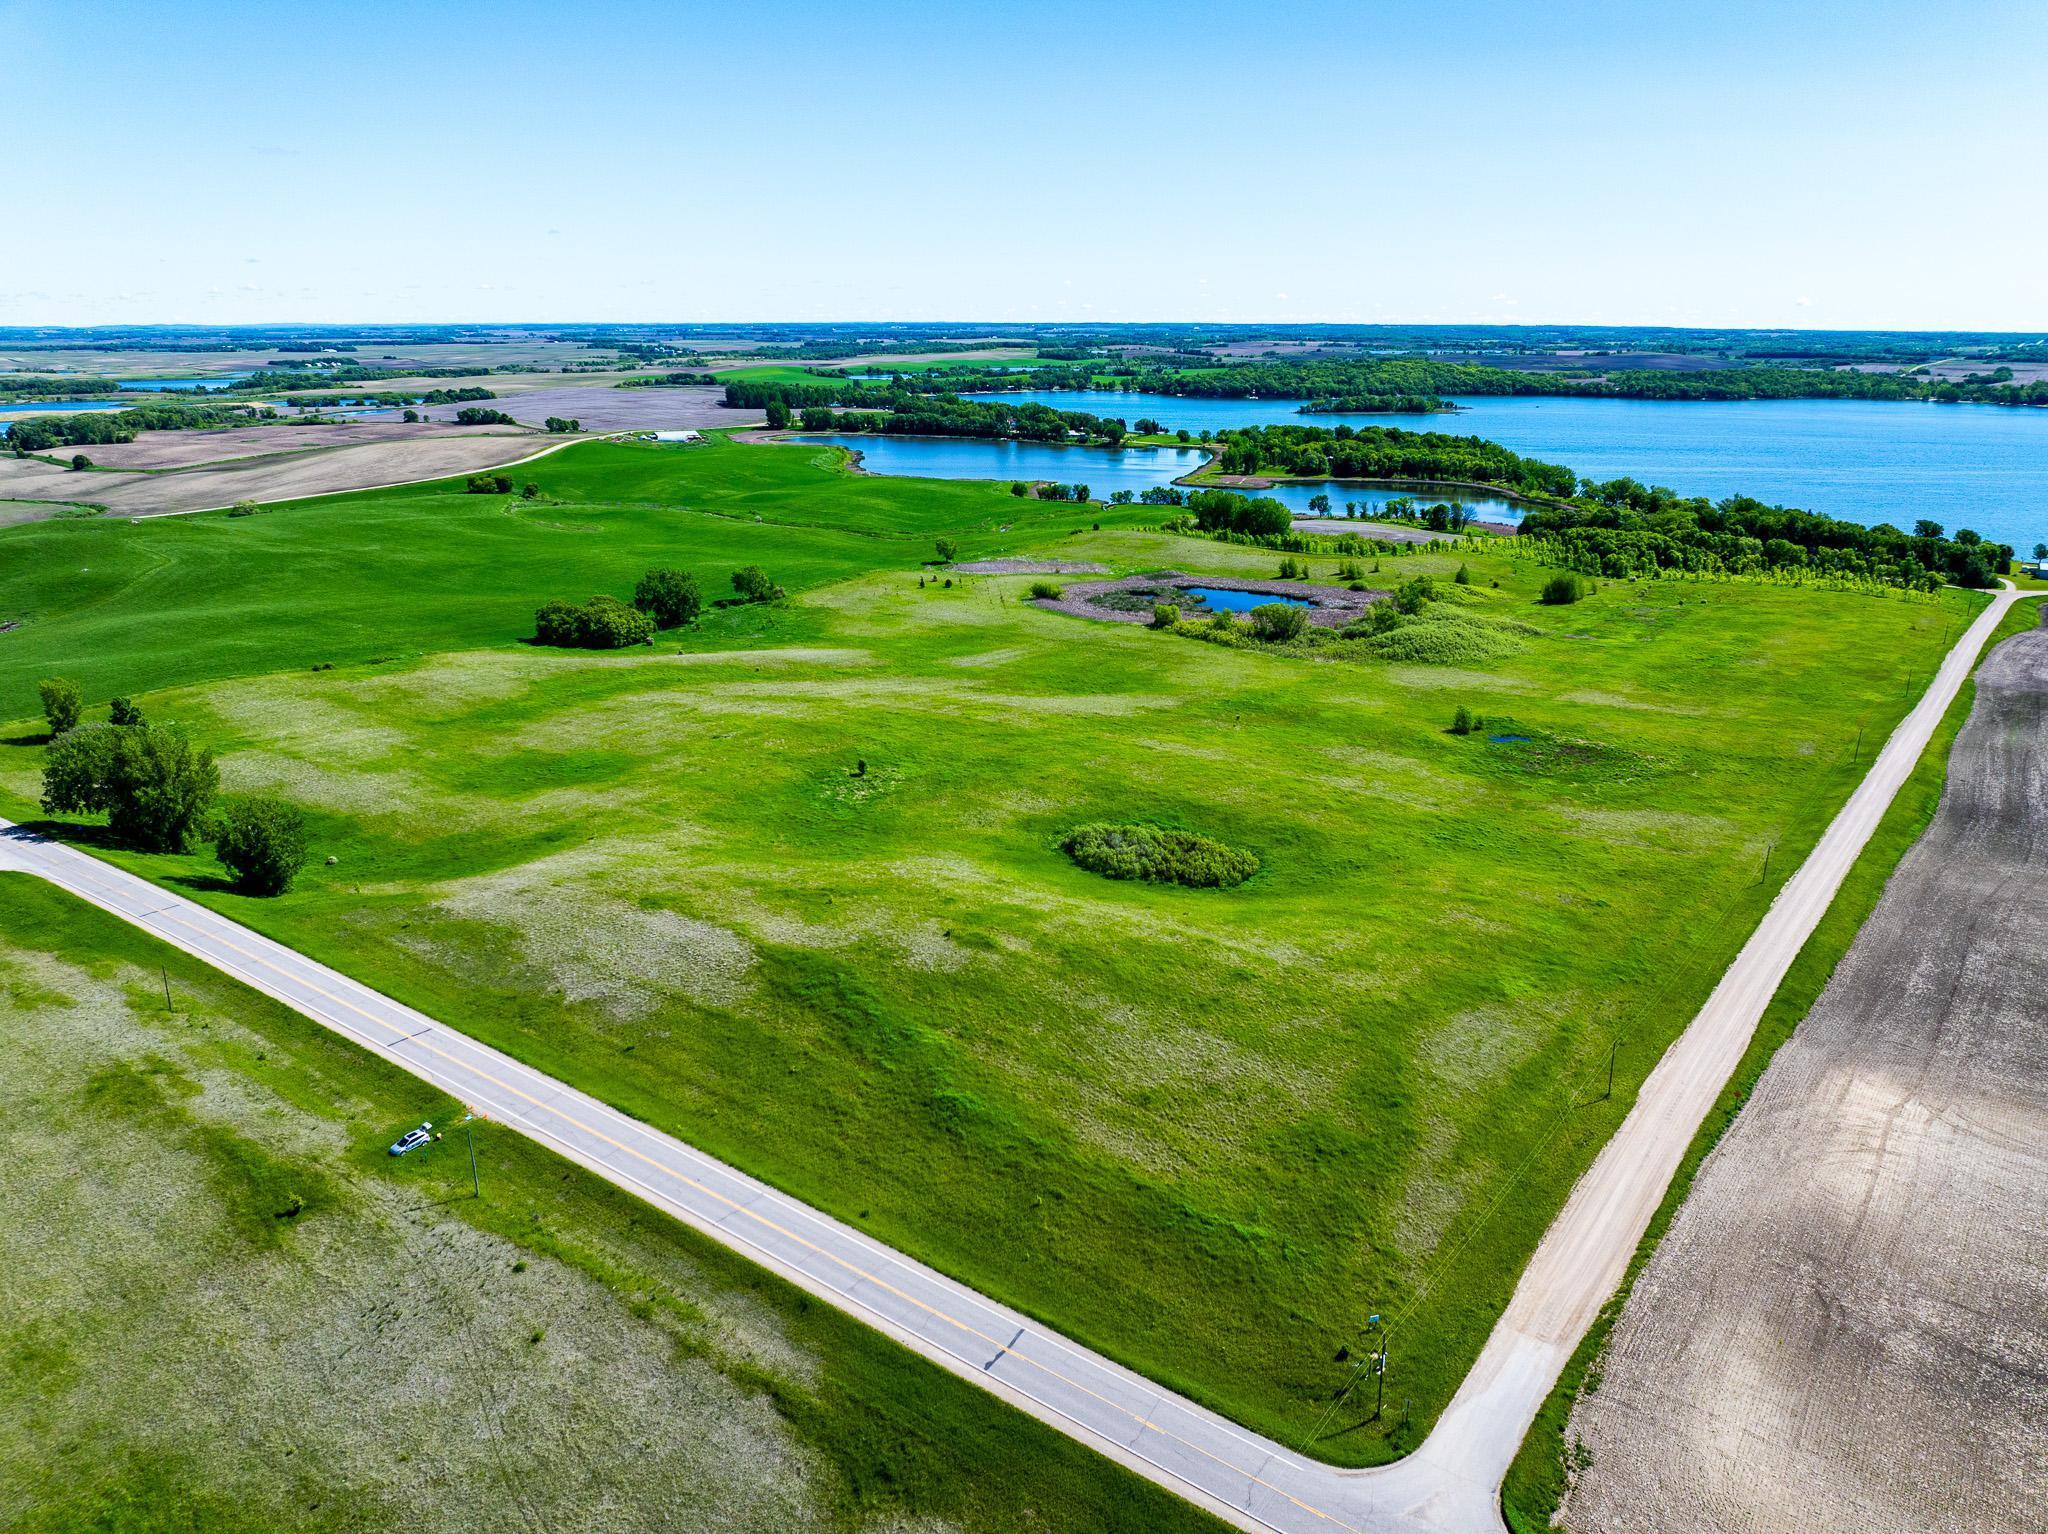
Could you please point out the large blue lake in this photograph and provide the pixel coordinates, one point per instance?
(1979, 466)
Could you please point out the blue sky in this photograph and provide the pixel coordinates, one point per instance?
(1810, 164)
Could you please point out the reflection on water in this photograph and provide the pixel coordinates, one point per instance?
(1217, 597)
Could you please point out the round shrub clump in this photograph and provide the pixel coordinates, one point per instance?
(602, 623)
(1278, 622)
(1158, 855)
(669, 597)
(1563, 590)
(262, 842)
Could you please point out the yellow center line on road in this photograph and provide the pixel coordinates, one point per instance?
(860, 1273)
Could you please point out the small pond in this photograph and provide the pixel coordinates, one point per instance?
(1218, 597)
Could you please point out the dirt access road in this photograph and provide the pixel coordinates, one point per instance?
(1847, 1324)
(1451, 1483)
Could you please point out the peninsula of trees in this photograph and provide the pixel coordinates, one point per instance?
(1386, 452)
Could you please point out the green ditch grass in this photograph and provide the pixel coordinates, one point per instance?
(329, 1338)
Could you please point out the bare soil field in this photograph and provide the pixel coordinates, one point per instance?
(270, 477)
(919, 359)
(1843, 1327)
(1957, 371)
(188, 449)
(600, 407)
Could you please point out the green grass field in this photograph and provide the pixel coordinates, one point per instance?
(133, 606)
(400, 1353)
(1205, 1131)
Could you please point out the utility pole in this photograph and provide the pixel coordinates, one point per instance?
(1613, 1048)
(1773, 847)
(476, 1187)
(1857, 754)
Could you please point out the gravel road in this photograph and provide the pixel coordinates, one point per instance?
(1847, 1324)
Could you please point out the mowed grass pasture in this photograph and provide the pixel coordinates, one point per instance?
(228, 1310)
(1206, 1131)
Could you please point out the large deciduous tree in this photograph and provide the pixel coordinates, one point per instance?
(154, 786)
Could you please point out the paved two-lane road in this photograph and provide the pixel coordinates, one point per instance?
(1450, 1483)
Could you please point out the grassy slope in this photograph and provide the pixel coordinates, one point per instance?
(1204, 1131)
(402, 1352)
(1536, 1480)
(125, 606)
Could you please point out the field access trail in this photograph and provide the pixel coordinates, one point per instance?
(1450, 1483)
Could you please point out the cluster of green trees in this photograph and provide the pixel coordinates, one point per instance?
(1378, 404)
(477, 415)
(1278, 622)
(160, 792)
(293, 376)
(1418, 384)
(670, 598)
(602, 623)
(898, 411)
(663, 599)
(1387, 452)
(51, 388)
(664, 380)
(753, 394)
(750, 584)
(1437, 516)
(1565, 589)
(390, 398)
(947, 415)
(488, 484)
(1226, 511)
(102, 426)
(1623, 527)
(563, 424)
(649, 351)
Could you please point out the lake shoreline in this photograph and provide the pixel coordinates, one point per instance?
(1192, 480)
